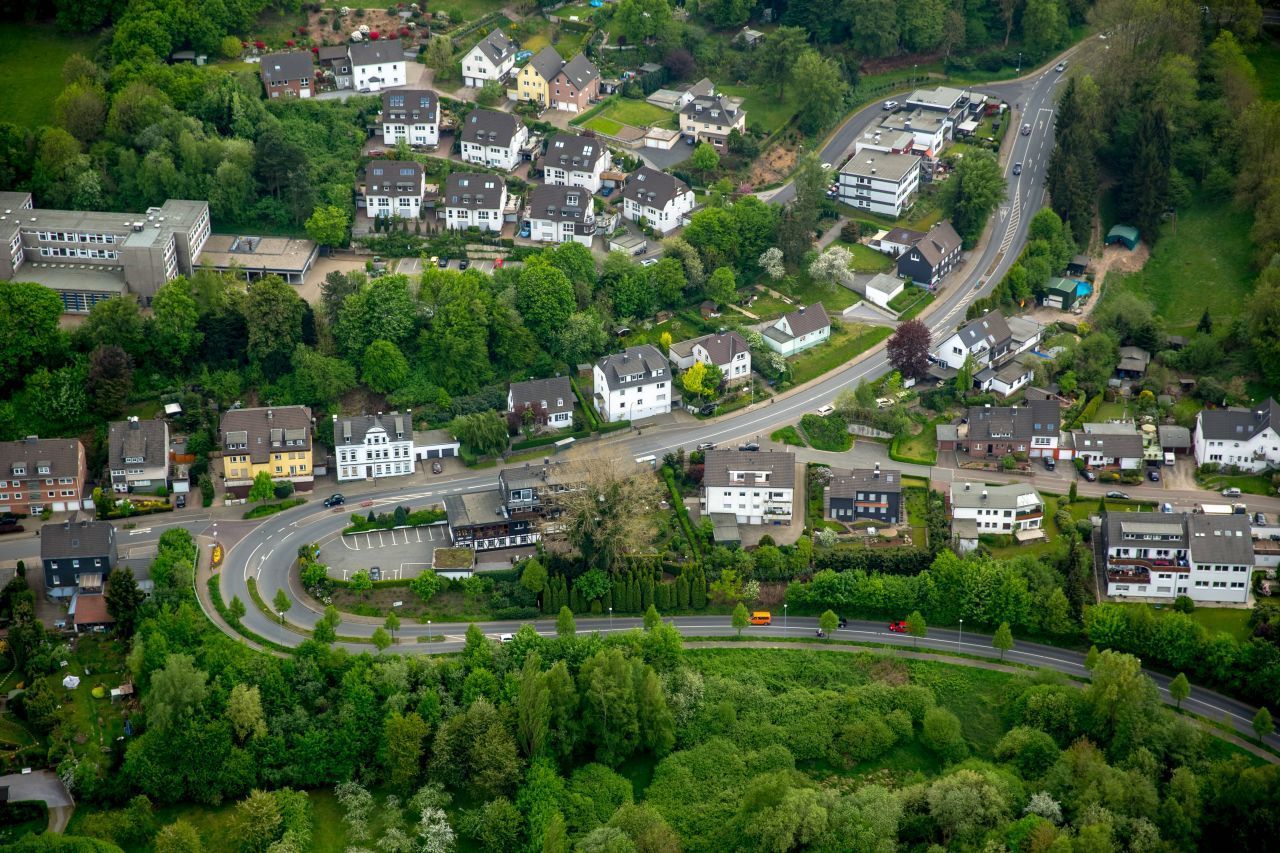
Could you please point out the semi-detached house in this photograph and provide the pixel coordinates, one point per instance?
(276, 440)
(394, 188)
(412, 116)
(494, 139)
(727, 351)
(1163, 555)
(474, 201)
(43, 475)
(575, 161)
(1249, 438)
(661, 200)
(558, 214)
(492, 58)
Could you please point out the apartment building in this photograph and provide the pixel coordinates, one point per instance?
(756, 487)
(879, 182)
(1209, 558)
(275, 440)
(371, 446)
(39, 475)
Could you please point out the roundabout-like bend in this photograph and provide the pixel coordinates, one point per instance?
(268, 553)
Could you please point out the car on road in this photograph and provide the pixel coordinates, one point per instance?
(750, 446)
(826, 165)
(335, 499)
(823, 411)
(1026, 130)
(890, 105)
(761, 617)
(1017, 168)
(180, 501)
(506, 638)
(898, 627)
(1232, 492)
(1049, 463)
(1119, 496)
(1062, 66)
(707, 445)
(1153, 475)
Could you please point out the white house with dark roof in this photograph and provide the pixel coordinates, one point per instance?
(726, 351)
(1116, 445)
(492, 58)
(879, 182)
(986, 338)
(1249, 438)
(575, 161)
(550, 401)
(335, 61)
(377, 65)
(756, 487)
(661, 200)
(138, 454)
(394, 188)
(472, 200)
(632, 384)
(372, 446)
(493, 139)
(411, 115)
(798, 330)
(1209, 558)
(558, 214)
(711, 118)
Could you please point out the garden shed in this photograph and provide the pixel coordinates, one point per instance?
(1126, 234)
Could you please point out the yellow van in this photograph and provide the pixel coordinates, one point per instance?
(761, 617)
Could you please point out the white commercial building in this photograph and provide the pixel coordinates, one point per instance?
(757, 487)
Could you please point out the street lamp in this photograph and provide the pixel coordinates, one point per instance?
(1018, 70)
(960, 639)
(428, 630)
(784, 620)
(610, 618)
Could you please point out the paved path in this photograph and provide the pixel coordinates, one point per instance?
(42, 786)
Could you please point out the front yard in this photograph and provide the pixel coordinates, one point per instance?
(847, 342)
(1250, 484)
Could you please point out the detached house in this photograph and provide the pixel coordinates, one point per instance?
(1001, 510)
(76, 550)
(287, 75)
(558, 214)
(987, 339)
(493, 139)
(138, 454)
(549, 400)
(711, 118)
(798, 330)
(632, 384)
(412, 115)
(493, 58)
(394, 188)
(575, 161)
(372, 446)
(932, 257)
(472, 200)
(864, 494)
(274, 440)
(1249, 439)
(756, 487)
(377, 65)
(40, 475)
(1163, 555)
(726, 351)
(1108, 446)
(661, 200)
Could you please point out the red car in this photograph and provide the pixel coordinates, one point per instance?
(898, 627)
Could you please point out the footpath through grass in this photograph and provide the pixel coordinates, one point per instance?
(31, 57)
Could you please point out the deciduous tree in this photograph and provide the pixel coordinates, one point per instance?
(908, 349)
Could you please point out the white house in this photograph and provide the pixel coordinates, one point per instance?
(726, 351)
(798, 330)
(986, 338)
(412, 115)
(1006, 378)
(575, 161)
(493, 139)
(711, 118)
(377, 65)
(493, 58)
(1108, 446)
(632, 384)
(138, 454)
(371, 446)
(1245, 438)
(659, 199)
(929, 130)
(474, 200)
(394, 188)
(884, 183)
(550, 400)
(1001, 510)
(1163, 555)
(559, 214)
(757, 487)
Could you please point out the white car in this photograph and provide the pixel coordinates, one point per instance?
(823, 411)
(506, 638)
(1062, 66)
(648, 262)
(826, 166)
(883, 402)
(890, 105)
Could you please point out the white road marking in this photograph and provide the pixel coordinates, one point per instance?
(141, 531)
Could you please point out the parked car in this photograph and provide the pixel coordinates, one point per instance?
(1119, 496)
(606, 192)
(1026, 130)
(1153, 475)
(823, 411)
(707, 445)
(376, 152)
(437, 467)
(648, 262)
(506, 638)
(335, 499)
(1089, 475)
(749, 446)
(1166, 507)
(1049, 463)
(524, 229)
(1017, 168)
(180, 501)
(890, 105)
(1259, 518)
(442, 262)
(898, 627)
(1232, 492)
(11, 527)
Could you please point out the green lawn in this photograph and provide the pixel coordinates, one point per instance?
(31, 58)
(924, 444)
(910, 302)
(1250, 484)
(787, 435)
(1205, 265)
(866, 259)
(639, 113)
(763, 108)
(1266, 61)
(607, 126)
(846, 342)
(1111, 411)
(1229, 619)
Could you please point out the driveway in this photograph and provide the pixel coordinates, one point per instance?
(42, 786)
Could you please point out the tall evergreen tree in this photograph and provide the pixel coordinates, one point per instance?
(1145, 186)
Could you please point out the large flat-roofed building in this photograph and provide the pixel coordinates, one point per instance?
(88, 256)
(883, 183)
(255, 257)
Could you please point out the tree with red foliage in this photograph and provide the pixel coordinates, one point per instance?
(908, 349)
(375, 35)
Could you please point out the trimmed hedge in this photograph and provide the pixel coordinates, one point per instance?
(265, 510)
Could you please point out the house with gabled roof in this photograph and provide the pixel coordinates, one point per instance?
(1246, 438)
(411, 115)
(472, 200)
(756, 487)
(633, 384)
(661, 200)
(273, 439)
(492, 138)
(492, 58)
(335, 62)
(377, 65)
(1209, 558)
(864, 494)
(534, 79)
(993, 432)
(711, 118)
(726, 351)
(394, 188)
(575, 86)
(576, 161)
(288, 74)
(558, 214)
(549, 400)
(138, 454)
(798, 330)
(40, 475)
(372, 446)
(932, 257)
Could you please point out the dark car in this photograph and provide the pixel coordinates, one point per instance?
(1017, 168)
(10, 527)
(1119, 496)
(180, 501)
(751, 445)
(463, 264)
(443, 262)
(898, 627)
(1049, 463)
(437, 467)
(1153, 475)
(1089, 475)
(1259, 518)
(335, 500)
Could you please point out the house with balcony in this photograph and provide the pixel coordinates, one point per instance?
(492, 58)
(987, 339)
(276, 440)
(138, 454)
(993, 432)
(559, 214)
(75, 551)
(864, 494)
(394, 188)
(367, 447)
(494, 139)
(474, 201)
(656, 198)
(1209, 558)
(932, 257)
(521, 511)
(879, 182)
(1013, 510)
(549, 402)
(412, 116)
(633, 384)
(727, 351)
(1246, 438)
(711, 118)
(39, 475)
(576, 161)
(1117, 446)
(756, 487)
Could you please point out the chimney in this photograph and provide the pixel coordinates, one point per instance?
(876, 476)
(984, 494)
(133, 422)
(270, 414)
(966, 487)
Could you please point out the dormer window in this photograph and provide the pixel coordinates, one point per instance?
(44, 469)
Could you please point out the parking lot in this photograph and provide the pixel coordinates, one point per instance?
(397, 554)
(413, 266)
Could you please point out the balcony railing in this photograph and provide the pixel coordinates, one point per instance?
(1161, 564)
(1129, 576)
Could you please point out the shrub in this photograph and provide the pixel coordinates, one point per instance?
(426, 584)
(1184, 604)
(941, 733)
(283, 489)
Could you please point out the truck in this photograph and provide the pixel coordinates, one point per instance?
(1215, 509)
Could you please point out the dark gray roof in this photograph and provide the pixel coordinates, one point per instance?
(394, 178)
(351, 431)
(474, 192)
(282, 67)
(804, 320)
(412, 106)
(639, 363)
(722, 348)
(864, 479)
(61, 455)
(266, 429)
(1111, 444)
(1223, 539)
(372, 53)
(941, 241)
(903, 236)
(990, 326)
(575, 153)
(560, 204)
(579, 72)
(1133, 358)
(649, 187)
(490, 127)
(547, 63)
(539, 476)
(334, 53)
(1237, 424)
(554, 393)
(1041, 417)
(496, 47)
(703, 105)
(134, 439)
(1174, 436)
(780, 466)
(76, 539)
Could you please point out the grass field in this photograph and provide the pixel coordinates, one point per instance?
(1211, 248)
(924, 444)
(1266, 61)
(845, 344)
(910, 302)
(763, 108)
(607, 126)
(31, 58)
(639, 113)
(866, 259)
(1250, 484)
(1217, 619)
(787, 435)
